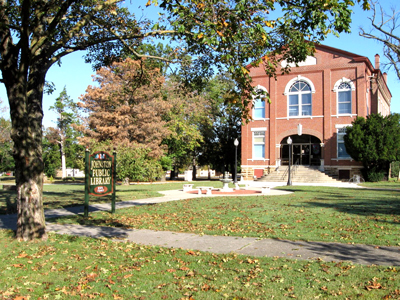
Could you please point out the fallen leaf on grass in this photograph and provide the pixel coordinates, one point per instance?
(373, 285)
(393, 295)
(22, 255)
(171, 270)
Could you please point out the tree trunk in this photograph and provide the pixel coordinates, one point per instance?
(194, 177)
(26, 116)
(172, 174)
(63, 163)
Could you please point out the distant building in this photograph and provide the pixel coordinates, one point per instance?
(205, 173)
(318, 99)
(72, 173)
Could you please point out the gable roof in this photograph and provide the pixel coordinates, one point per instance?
(354, 57)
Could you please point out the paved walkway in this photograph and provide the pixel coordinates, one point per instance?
(361, 254)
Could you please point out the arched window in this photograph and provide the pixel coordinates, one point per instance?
(299, 97)
(344, 98)
(343, 89)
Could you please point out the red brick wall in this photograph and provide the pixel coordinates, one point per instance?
(331, 66)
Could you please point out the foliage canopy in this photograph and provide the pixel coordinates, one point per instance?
(374, 141)
(34, 35)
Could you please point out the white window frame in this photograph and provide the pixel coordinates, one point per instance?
(340, 133)
(337, 91)
(261, 101)
(258, 132)
(288, 93)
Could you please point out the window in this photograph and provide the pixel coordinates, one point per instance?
(300, 99)
(259, 109)
(259, 144)
(344, 98)
(344, 88)
(259, 104)
(341, 149)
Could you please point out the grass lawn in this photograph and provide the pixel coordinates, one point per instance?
(310, 213)
(63, 195)
(393, 184)
(65, 267)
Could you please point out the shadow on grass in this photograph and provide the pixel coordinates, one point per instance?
(91, 222)
(363, 254)
(102, 227)
(369, 208)
(10, 200)
(361, 202)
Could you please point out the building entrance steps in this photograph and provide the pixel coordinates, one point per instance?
(304, 174)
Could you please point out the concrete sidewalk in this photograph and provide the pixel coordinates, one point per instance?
(361, 254)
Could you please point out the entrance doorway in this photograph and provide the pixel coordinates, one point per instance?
(306, 150)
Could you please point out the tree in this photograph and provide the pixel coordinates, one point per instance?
(188, 110)
(6, 143)
(133, 163)
(67, 112)
(227, 35)
(222, 127)
(375, 142)
(6, 146)
(385, 30)
(126, 107)
(51, 152)
(133, 106)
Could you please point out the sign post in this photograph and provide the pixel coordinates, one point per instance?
(100, 177)
(86, 205)
(114, 181)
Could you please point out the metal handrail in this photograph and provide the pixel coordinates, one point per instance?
(285, 173)
(293, 171)
(296, 165)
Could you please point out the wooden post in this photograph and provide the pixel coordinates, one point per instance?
(114, 181)
(86, 205)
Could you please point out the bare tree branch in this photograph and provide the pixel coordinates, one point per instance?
(386, 30)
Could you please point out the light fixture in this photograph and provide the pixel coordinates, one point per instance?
(236, 143)
(289, 141)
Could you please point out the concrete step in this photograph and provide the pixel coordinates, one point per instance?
(300, 174)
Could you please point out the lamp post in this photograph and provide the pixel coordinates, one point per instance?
(236, 143)
(289, 142)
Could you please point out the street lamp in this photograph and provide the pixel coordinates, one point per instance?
(236, 143)
(289, 142)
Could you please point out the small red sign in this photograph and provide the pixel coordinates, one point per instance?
(101, 181)
(100, 189)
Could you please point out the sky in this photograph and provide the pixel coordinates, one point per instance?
(76, 75)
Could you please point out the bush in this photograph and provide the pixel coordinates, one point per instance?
(395, 166)
(133, 162)
(50, 170)
(375, 176)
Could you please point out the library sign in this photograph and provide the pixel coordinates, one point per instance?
(99, 177)
(101, 174)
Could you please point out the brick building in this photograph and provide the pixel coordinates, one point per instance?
(317, 100)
